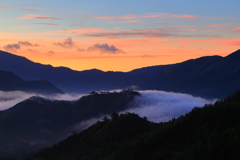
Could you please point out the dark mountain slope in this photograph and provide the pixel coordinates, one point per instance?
(62, 77)
(11, 82)
(76, 81)
(209, 133)
(211, 77)
(37, 122)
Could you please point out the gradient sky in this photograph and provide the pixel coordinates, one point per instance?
(118, 35)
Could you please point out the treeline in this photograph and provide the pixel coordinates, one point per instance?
(210, 133)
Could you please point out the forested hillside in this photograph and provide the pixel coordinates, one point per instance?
(209, 133)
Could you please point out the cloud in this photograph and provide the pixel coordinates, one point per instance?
(81, 50)
(9, 99)
(68, 43)
(46, 23)
(150, 15)
(136, 32)
(105, 48)
(86, 123)
(50, 53)
(28, 9)
(35, 16)
(12, 47)
(85, 30)
(220, 24)
(15, 47)
(160, 106)
(169, 15)
(114, 17)
(228, 43)
(147, 56)
(5, 7)
(237, 29)
(33, 51)
(26, 43)
(130, 21)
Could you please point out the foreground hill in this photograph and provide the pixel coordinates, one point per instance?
(11, 82)
(37, 122)
(209, 133)
(76, 81)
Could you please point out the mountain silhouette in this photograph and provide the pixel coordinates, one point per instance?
(209, 77)
(76, 81)
(212, 76)
(11, 82)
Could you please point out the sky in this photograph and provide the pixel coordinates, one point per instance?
(118, 35)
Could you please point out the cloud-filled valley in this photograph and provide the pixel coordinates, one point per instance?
(9, 99)
(160, 106)
(157, 106)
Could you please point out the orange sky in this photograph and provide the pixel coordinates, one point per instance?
(118, 38)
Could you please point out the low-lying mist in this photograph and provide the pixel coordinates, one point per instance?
(9, 99)
(157, 106)
(160, 106)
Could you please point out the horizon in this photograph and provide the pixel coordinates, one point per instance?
(117, 70)
(118, 36)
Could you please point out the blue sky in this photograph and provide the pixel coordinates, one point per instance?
(179, 29)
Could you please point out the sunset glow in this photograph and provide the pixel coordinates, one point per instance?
(118, 36)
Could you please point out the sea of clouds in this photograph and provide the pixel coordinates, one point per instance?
(157, 106)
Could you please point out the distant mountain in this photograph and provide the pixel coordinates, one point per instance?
(212, 77)
(37, 122)
(76, 81)
(11, 82)
(209, 133)
(209, 77)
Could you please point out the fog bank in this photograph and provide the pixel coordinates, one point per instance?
(160, 106)
(9, 99)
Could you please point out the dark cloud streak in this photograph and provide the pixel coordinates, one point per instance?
(105, 48)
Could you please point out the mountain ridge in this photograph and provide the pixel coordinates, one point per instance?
(11, 82)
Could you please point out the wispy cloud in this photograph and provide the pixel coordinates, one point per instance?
(9, 99)
(237, 29)
(50, 53)
(12, 47)
(219, 24)
(169, 15)
(228, 43)
(85, 30)
(68, 43)
(128, 33)
(105, 48)
(81, 50)
(147, 15)
(17, 46)
(114, 17)
(26, 43)
(28, 9)
(147, 56)
(35, 16)
(5, 7)
(46, 23)
(130, 21)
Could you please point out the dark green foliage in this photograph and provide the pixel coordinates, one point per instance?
(1, 158)
(209, 133)
(37, 122)
(102, 138)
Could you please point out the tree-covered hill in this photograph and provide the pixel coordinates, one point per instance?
(209, 133)
(37, 122)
